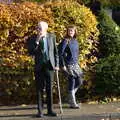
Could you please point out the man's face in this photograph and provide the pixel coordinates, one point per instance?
(41, 29)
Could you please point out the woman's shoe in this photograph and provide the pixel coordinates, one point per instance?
(52, 114)
(75, 106)
(39, 115)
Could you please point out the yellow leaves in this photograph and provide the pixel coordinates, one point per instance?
(5, 33)
(19, 21)
(8, 62)
(70, 12)
(16, 60)
(85, 51)
(83, 64)
(93, 102)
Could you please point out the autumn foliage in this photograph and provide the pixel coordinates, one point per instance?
(18, 22)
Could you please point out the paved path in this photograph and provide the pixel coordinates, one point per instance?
(109, 111)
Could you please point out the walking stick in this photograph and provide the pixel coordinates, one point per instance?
(59, 94)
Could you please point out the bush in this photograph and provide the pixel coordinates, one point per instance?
(66, 13)
(104, 3)
(107, 82)
(107, 69)
(110, 35)
(18, 22)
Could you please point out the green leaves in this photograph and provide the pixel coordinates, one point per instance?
(108, 67)
(109, 37)
(107, 75)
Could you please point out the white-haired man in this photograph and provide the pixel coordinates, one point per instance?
(43, 47)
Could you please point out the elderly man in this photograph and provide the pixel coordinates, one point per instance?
(43, 47)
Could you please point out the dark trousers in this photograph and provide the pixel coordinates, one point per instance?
(44, 77)
(74, 82)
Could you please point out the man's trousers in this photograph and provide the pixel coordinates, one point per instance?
(44, 78)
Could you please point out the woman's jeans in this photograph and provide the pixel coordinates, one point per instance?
(74, 76)
(75, 81)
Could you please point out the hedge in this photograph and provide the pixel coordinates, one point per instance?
(18, 22)
(107, 83)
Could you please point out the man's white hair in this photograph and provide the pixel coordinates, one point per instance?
(44, 24)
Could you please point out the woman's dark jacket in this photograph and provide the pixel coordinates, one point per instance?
(68, 52)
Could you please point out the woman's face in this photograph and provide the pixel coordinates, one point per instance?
(71, 32)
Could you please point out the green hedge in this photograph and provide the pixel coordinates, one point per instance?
(109, 35)
(104, 3)
(107, 83)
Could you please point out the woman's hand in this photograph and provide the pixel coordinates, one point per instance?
(56, 68)
(64, 68)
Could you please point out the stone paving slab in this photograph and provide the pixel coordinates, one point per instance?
(81, 117)
(109, 111)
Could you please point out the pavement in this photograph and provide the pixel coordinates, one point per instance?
(110, 111)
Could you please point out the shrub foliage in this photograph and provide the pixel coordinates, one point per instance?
(110, 35)
(107, 69)
(18, 21)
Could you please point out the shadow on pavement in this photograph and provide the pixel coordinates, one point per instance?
(17, 108)
(23, 115)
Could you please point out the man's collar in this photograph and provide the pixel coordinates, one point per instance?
(45, 35)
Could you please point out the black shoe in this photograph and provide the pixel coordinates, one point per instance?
(74, 107)
(39, 115)
(52, 114)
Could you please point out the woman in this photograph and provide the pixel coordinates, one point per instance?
(69, 53)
